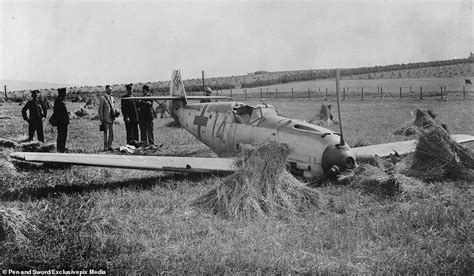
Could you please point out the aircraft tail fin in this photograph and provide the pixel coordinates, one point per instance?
(177, 86)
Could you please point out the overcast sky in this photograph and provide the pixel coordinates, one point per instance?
(99, 42)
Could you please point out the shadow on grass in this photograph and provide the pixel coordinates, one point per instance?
(169, 181)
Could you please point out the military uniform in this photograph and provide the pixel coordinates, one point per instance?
(146, 114)
(130, 116)
(35, 120)
(60, 111)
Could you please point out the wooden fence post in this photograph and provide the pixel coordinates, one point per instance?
(326, 94)
(381, 93)
(411, 91)
(362, 92)
(464, 92)
(276, 93)
(421, 93)
(343, 94)
(231, 93)
(308, 93)
(441, 92)
(400, 92)
(261, 93)
(245, 90)
(291, 93)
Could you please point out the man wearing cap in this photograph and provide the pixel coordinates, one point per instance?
(35, 120)
(107, 117)
(62, 119)
(146, 114)
(130, 115)
(207, 93)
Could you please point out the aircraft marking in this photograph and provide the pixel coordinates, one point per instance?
(201, 120)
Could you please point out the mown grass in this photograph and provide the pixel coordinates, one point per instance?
(139, 221)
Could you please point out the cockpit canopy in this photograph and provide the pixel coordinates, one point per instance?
(249, 115)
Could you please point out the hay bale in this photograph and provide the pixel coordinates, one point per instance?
(374, 180)
(91, 103)
(428, 118)
(82, 112)
(262, 186)
(324, 117)
(438, 156)
(15, 226)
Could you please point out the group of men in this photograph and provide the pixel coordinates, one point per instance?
(37, 113)
(137, 114)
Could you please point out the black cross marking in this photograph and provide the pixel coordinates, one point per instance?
(201, 120)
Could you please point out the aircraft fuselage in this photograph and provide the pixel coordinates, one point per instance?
(224, 126)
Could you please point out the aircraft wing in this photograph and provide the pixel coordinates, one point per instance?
(402, 147)
(166, 98)
(157, 163)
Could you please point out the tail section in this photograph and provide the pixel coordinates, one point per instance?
(177, 86)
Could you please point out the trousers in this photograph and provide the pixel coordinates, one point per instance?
(108, 135)
(62, 136)
(35, 126)
(146, 132)
(132, 131)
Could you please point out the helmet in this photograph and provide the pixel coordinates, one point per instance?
(208, 89)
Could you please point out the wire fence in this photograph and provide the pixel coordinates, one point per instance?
(351, 93)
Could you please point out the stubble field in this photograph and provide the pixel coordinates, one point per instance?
(140, 221)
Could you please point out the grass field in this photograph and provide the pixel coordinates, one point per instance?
(431, 89)
(140, 221)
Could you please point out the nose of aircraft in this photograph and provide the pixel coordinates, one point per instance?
(338, 155)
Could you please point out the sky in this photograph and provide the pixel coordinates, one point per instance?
(115, 42)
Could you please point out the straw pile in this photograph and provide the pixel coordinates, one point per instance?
(262, 186)
(437, 155)
(15, 226)
(374, 180)
(324, 117)
(6, 167)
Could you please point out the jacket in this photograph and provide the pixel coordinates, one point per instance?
(106, 109)
(36, 109)
(129, 109)
(146, 111)
(60, 111)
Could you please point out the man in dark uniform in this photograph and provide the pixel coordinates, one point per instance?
(62, 119)
(35, 120)
(130, 115)
(146, 114)
(207, 93)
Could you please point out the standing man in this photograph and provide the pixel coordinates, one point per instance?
(207, 93)
(146, 114)
(35, 120)
(107, 117)
(62, 119)
(130, 115)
